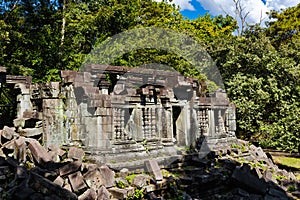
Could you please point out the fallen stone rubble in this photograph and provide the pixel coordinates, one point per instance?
(242, 171)
(30, 171)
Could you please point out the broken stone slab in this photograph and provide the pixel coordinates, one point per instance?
(59, 181)
(75, 153)
(30, 132)
(119, 193)
(103, 194)
(124, 172)
(90, 194)
(152, 167)
(38, 151)
(122, 181)
(86, 167)
(56, 152)
(70, 168)
(8, 133)
(244, 179)
(268, 176)
(277, 193)
(47, 187)
(20, 149)
(77, 181)
(108, 176)
(93, 179)
(140, 181)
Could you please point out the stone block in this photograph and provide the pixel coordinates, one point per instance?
(59, 181)
(30, 132)
(9, 145)
(151, 166)
(8, 132)
(77, 181)
(38, 151)
(244, 179)
(103, 194)
(140, 180)
(47, 187)
(75, 153)
(68, 187)
(93, 177)
(268, 176)
(108, 176)
(90, 194)
(121, 193)
(70, 168)
(57, 150)
(124, 172)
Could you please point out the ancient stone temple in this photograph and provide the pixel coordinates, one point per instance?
(112, 111)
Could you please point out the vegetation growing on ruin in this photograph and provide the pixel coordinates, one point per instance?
(260, 66)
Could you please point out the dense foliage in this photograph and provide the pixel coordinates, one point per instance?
(260, 68)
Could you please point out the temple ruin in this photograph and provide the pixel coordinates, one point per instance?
(112, 111)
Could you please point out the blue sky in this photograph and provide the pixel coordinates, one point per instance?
(257, 8)
(192, 14)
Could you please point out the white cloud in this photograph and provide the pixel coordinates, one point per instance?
(281, 4)
(183, 4)
(256, 8)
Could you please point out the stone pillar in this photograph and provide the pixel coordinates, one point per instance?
(23, 100)
(53, 116)
(202, 116)
(211, 123)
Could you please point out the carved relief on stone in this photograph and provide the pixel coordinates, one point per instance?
(202, 118)
(221, 125)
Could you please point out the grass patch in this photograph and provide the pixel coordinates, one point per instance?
(287, 161)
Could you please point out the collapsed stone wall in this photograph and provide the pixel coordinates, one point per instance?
(112, 110)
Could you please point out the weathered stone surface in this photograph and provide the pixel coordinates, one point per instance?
(153, 168)
(75, 153)
(121, 193)
(21, 172)
(103, 194)
(8, 132)
(59, 181)
(76, 181)
(246, 180)
(39, 153)
(70, 168)
(46, 187)
(268, 176)
(57, 150)
(30, 132)
(90, 194)
(140, 180)
(20, 149)
(68, 187)
(124, 172)
(108, 176)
